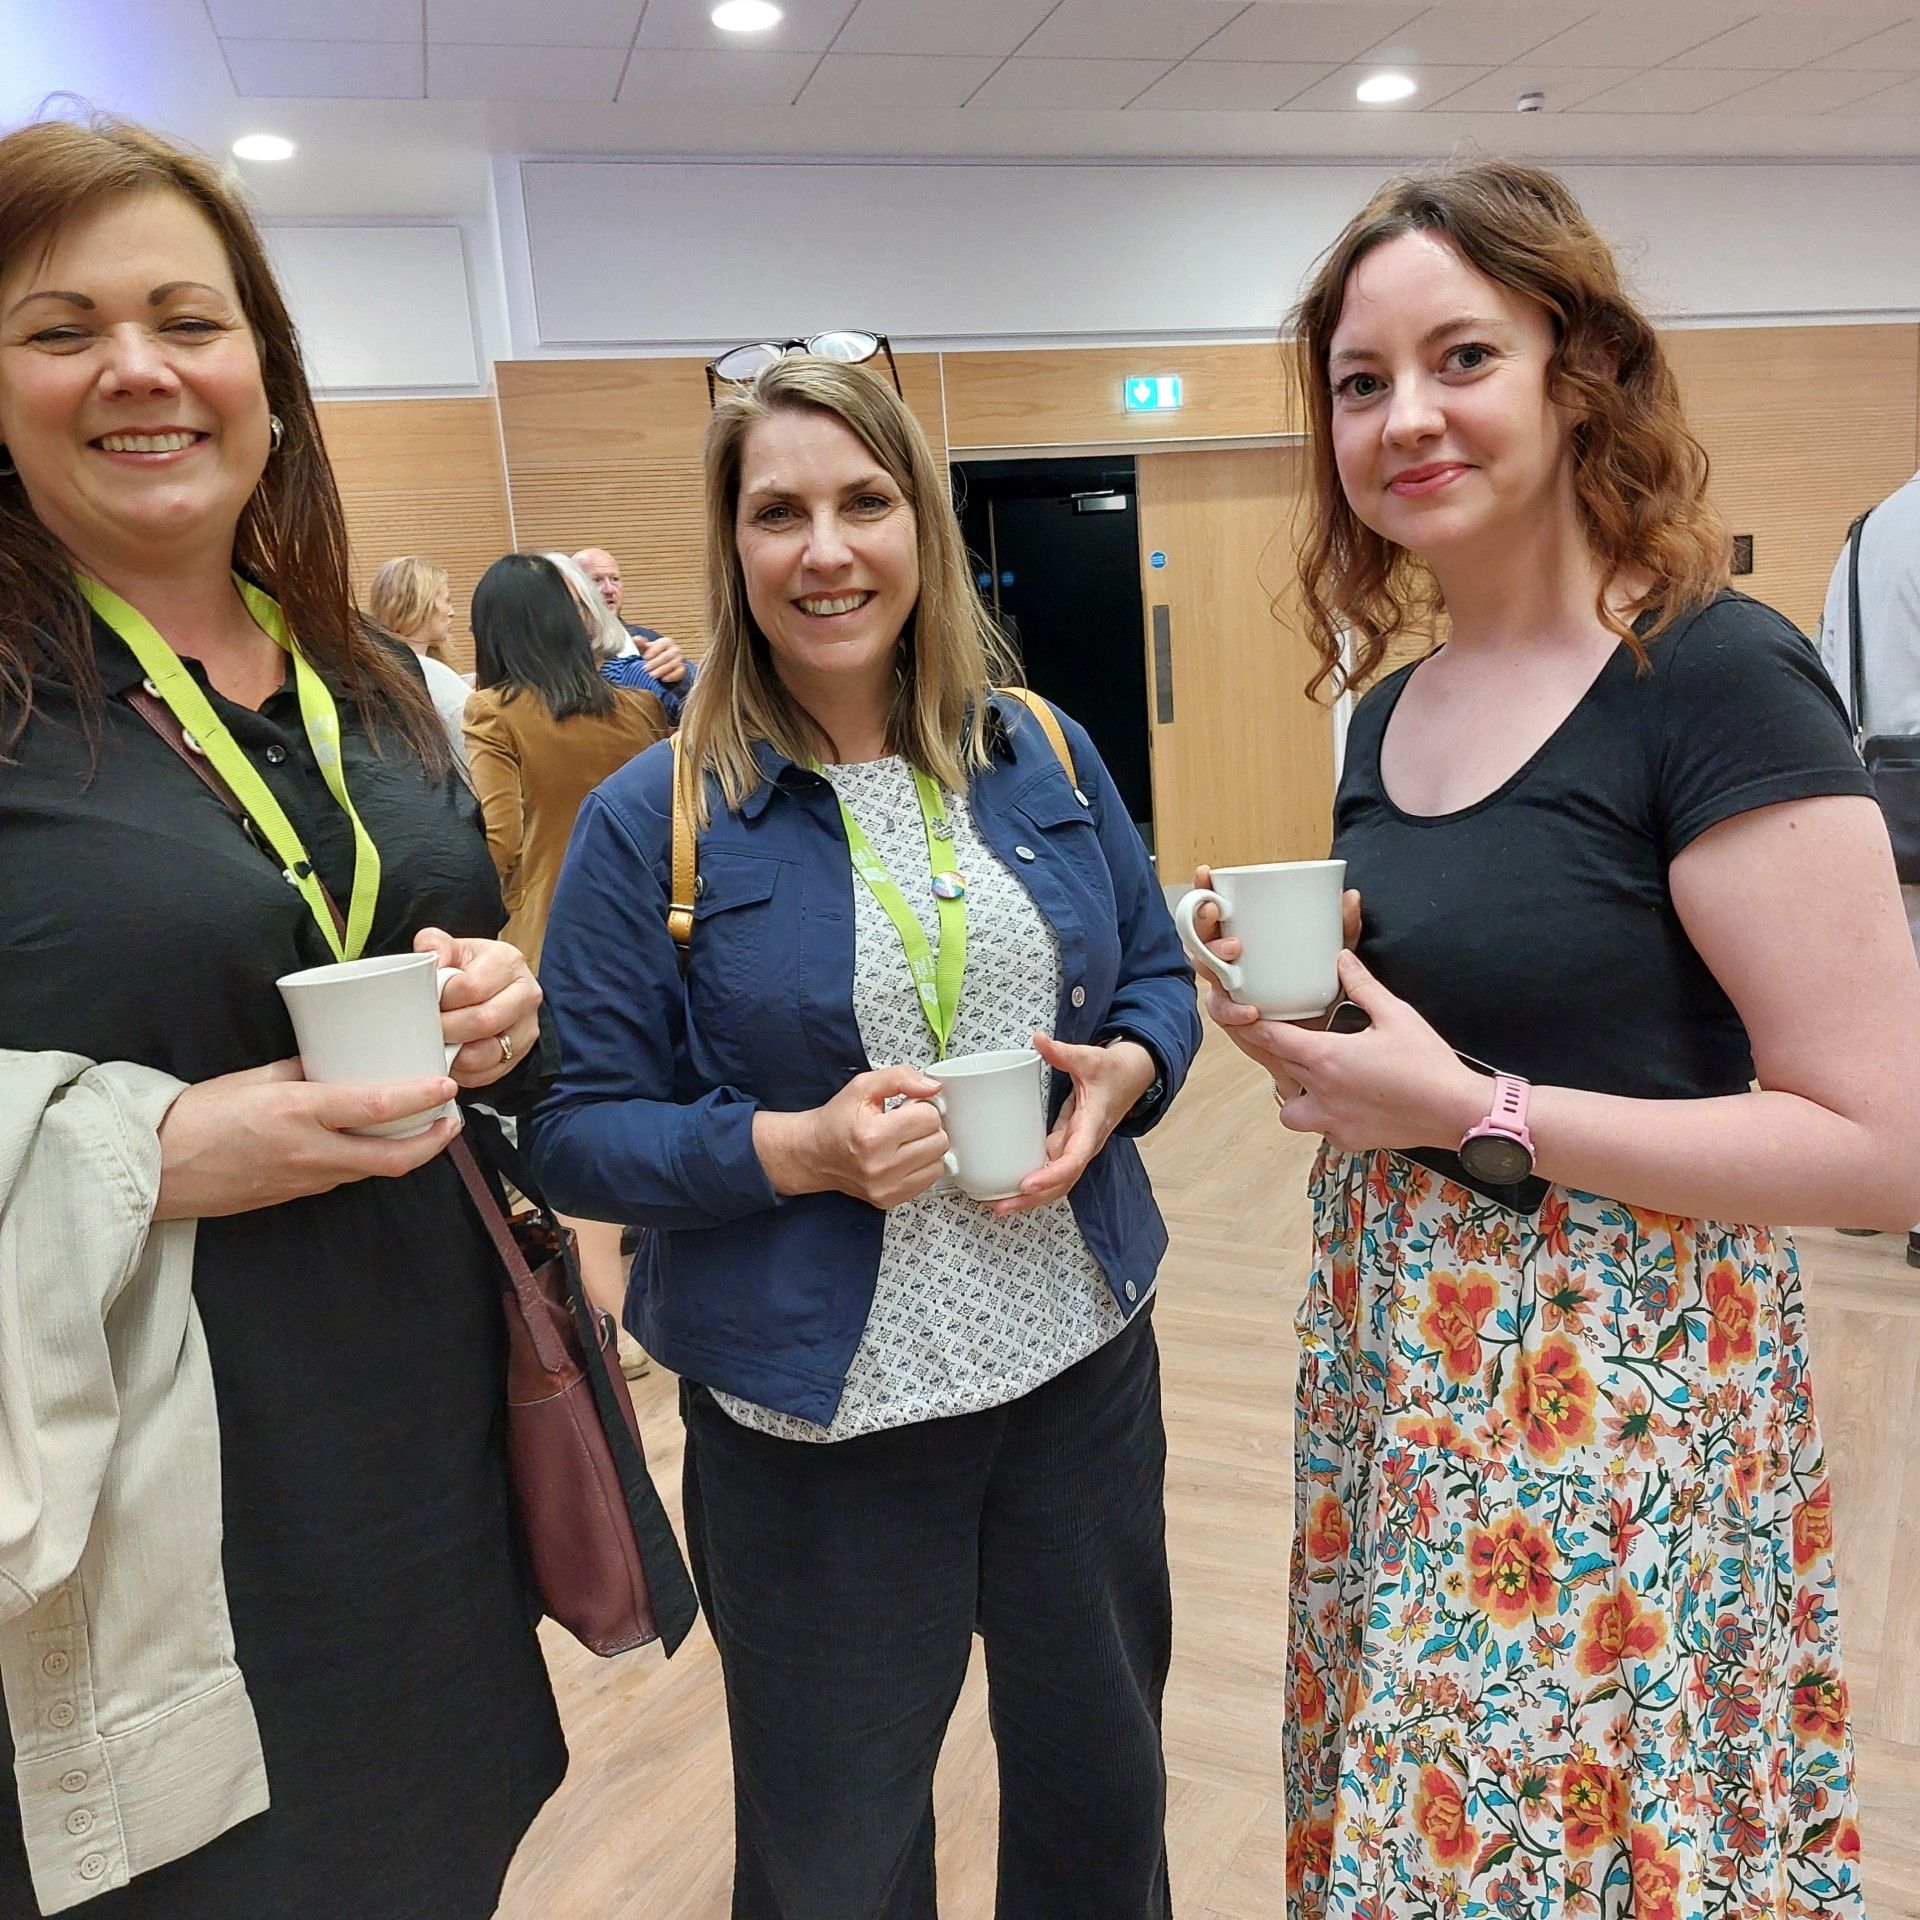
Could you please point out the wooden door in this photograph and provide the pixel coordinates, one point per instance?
(1242, 760)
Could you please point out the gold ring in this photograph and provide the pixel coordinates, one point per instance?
(506, 1051)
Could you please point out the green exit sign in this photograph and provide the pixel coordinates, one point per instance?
(1153, 392)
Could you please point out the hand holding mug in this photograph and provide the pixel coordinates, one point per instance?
(493, 1000)
(878, 1139)
(254, 1139)
(1108, 1082)
(1394, 1084)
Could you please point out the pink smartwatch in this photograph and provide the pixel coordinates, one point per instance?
(1499, 1151)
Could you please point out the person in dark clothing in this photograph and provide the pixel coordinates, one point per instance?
(167, 513)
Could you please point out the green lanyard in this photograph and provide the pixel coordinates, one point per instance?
(172, 683)
(936, 981)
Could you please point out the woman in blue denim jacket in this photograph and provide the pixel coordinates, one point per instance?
(910, 1415)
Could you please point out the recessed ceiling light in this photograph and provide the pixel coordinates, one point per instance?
(1380, 89)
(262, 146)
(746, 16)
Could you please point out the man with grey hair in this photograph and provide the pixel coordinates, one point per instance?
(1888, 698)
(652, 662)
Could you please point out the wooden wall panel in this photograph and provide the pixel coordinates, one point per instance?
(606, 453)
(425, 477)
(1806, 427)
(1072, 396)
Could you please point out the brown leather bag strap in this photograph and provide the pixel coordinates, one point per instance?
(1049, 725)
(546, 1343)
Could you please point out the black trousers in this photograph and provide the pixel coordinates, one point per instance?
(844, 1584)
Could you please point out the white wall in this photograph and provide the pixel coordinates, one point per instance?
(622, 256)
(387, 309)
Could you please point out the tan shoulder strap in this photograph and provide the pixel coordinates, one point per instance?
(686, 876)
(1049, 725)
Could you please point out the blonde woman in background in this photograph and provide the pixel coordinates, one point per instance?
(410, 598)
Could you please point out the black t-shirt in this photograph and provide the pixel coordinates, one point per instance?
(1535, 929)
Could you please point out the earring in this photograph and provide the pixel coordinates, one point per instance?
(276, 430)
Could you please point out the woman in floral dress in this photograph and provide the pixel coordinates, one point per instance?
(1563, 1626)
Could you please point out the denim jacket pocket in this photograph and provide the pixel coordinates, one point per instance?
(744, 921)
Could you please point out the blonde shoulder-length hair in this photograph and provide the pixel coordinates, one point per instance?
(952, 655)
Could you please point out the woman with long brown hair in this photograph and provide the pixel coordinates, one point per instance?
(1564, 1638)
(167, 515)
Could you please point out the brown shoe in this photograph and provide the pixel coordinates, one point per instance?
(633, 1357)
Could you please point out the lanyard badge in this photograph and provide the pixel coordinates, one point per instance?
(172, 683)
(936, 977)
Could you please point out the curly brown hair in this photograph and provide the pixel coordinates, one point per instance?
(292, 537)
(1640, 476)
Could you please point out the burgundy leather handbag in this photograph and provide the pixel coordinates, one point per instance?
(601, 1550)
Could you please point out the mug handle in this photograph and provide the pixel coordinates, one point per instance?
(938, 1102)
(440, 978)
(1226, 972)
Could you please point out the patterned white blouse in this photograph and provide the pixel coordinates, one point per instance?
(970, 1309)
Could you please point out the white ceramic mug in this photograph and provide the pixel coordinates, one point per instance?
(993, 1104)
(366, 1023)
(1286, 917)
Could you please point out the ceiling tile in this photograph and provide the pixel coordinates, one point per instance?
(808, 27)
(883, 80)
(1781, 39)
(522, 23)
(1900, 103)
(522, 73)
(1131, 29)
(1895, 51)
(741, 79)
(1474, 35)
(1068, 86)
(1564, 87)
(1335, 93)
(1308, 30)
(397, 21)
(323, 70)
(1233, 86)
(1638, 36)
(1798, 95)
(912, 26)
(1672, 90)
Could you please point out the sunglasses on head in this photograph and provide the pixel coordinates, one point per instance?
(850, 347)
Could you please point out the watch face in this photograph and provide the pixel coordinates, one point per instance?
(1495, 1160)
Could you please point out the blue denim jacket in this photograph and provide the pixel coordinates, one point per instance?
(650, 1119)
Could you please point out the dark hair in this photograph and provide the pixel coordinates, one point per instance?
(528, 637)
(1640, 476)
(292, 536)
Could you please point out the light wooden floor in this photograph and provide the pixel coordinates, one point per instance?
(642, 1830)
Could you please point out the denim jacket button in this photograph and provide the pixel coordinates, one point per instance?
(1023, 853)
(1078, 996)
(1082, 798)
(1133, 1292)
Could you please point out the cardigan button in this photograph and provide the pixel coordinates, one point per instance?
(55, 1665)
(1023, 853)
(60, 1714)
(79, 1822)
(93, 1866)
(73, 1781)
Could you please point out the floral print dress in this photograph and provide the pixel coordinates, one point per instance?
(1563, 1628)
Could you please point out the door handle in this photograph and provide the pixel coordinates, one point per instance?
(1163, 665)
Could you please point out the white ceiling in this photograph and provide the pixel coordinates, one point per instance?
(399, 103)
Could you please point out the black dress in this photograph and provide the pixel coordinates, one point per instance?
(377, 1597)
